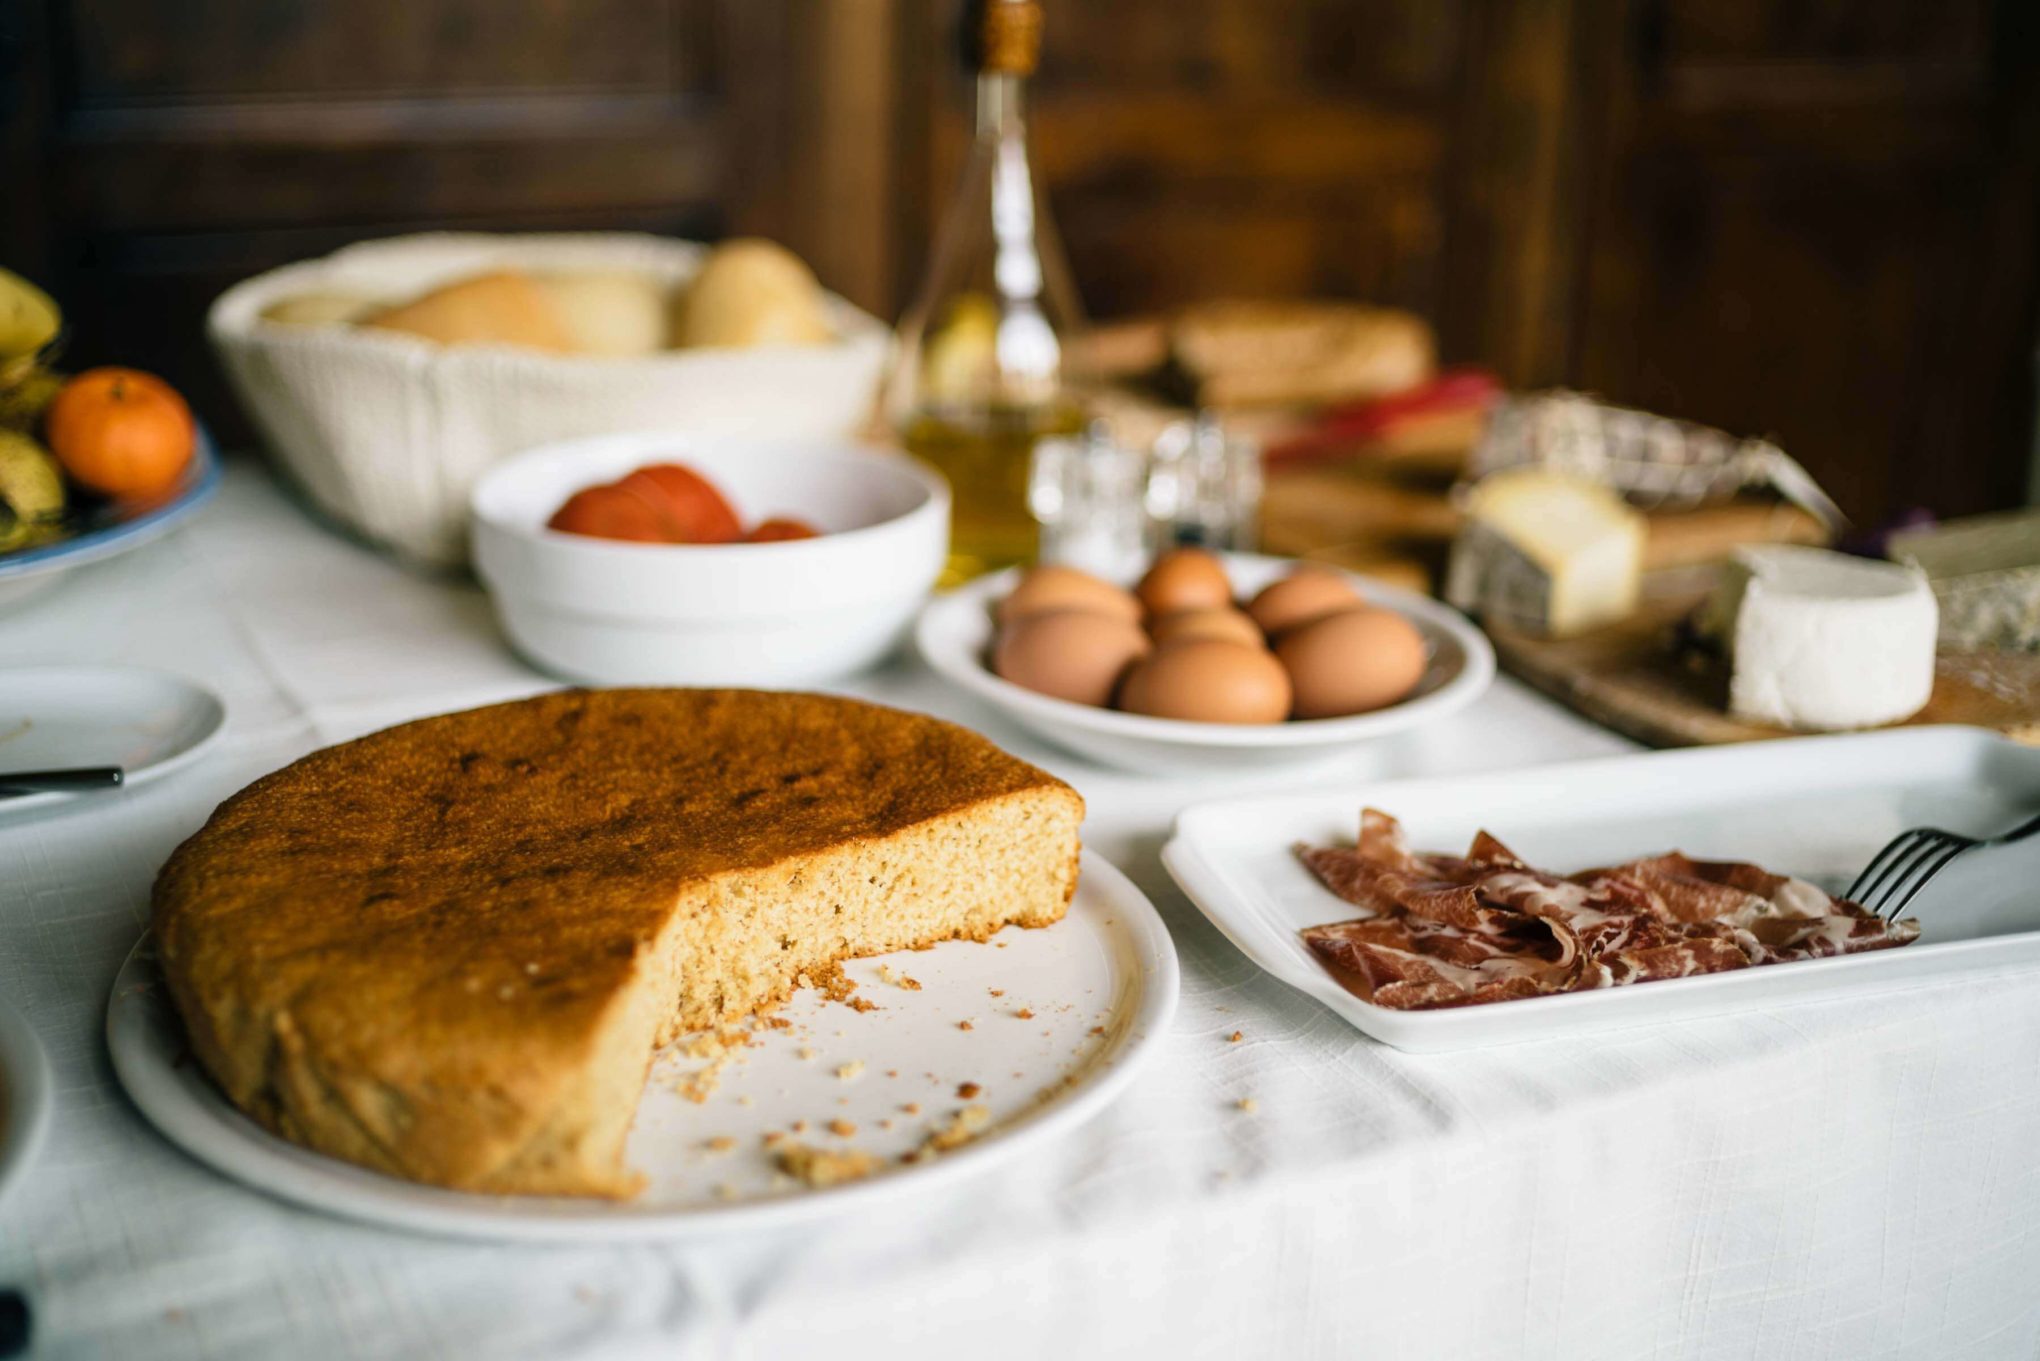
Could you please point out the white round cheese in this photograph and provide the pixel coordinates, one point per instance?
(1822, 640)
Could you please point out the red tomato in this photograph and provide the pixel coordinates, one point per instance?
(780, 529)
(695, 511)
(610, 512)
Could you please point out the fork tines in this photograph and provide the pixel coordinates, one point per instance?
(1905, 865)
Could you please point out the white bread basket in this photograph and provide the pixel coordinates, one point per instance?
(387, 433)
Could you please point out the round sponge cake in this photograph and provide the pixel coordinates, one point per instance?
(448, 950)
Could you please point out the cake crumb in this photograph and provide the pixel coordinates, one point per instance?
(831, 982)
(799, 1127)
(803, 1053)
(961, 1127)
(996, 992)
(771, 1137)
(720, 1048)
(721, 1143)
(744, 1099)
(885, 1123)
(965, 1025)
(725, 1191)
(841, 1128)
(1097, 1030)
(912, 1108)
(819, 1167)
(1234, 1038)
(850, 1071)
(898, 980)
(1025, 1013)
(968, 1090)
(892, 1072)
(1247, 1104)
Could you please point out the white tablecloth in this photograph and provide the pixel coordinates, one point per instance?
(1841, 1180)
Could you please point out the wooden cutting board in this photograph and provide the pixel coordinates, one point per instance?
(1630, 678)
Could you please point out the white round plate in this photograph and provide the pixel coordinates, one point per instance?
(147, 722)
(25, 1098)
(955, 635)
(1097, 989)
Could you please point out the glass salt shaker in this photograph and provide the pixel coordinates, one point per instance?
(1204, 486)
(1087, 493)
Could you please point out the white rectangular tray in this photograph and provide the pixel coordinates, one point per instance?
(1816, 807)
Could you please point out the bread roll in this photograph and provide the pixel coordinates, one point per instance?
(320, 309)
(752, 292)
(609, 312)
(501, 308)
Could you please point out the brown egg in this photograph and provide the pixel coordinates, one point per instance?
(1066, 588)
(1210, 681)
(1351, 662)
(1306, 594)
(1076, 655)
(1184, 579)
(1224, 623)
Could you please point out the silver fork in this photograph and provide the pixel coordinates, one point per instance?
(1896, 874)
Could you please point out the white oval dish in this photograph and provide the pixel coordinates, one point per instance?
(26, 1099)
(1100, 985)
(767, 614)
(955, 634)
(149, 723)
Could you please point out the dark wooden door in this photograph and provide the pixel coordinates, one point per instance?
(1814, 219)
(156, 153)
(1818, 221)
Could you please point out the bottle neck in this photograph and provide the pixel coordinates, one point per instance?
(1001, 105)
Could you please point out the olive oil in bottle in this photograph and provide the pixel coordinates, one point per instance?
(982, 370)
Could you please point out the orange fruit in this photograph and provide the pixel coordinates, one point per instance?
(121, 432)
(781, 528)
(610, 512)
(695, 511)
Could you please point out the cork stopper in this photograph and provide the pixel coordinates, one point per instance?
(1003, 36)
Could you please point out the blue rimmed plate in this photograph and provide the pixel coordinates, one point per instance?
(110, 529)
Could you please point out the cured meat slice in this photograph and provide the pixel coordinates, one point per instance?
(1443, 930)
(1443, 966)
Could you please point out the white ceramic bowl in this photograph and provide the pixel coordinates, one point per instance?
(388, 433)
(955, 636)
(767, 614)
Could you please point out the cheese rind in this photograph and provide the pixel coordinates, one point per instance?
(1547, 553)
(1819, 640)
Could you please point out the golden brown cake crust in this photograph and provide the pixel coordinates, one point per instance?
(418, 940)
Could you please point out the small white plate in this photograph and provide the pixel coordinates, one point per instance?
(1100, 987)
(25, 1098)
(150, 723)
(1815, 807)
(955, 634)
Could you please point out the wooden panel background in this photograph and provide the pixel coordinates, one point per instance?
(1809, 218)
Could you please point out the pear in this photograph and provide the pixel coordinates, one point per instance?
(31, 492)
(29, 320)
